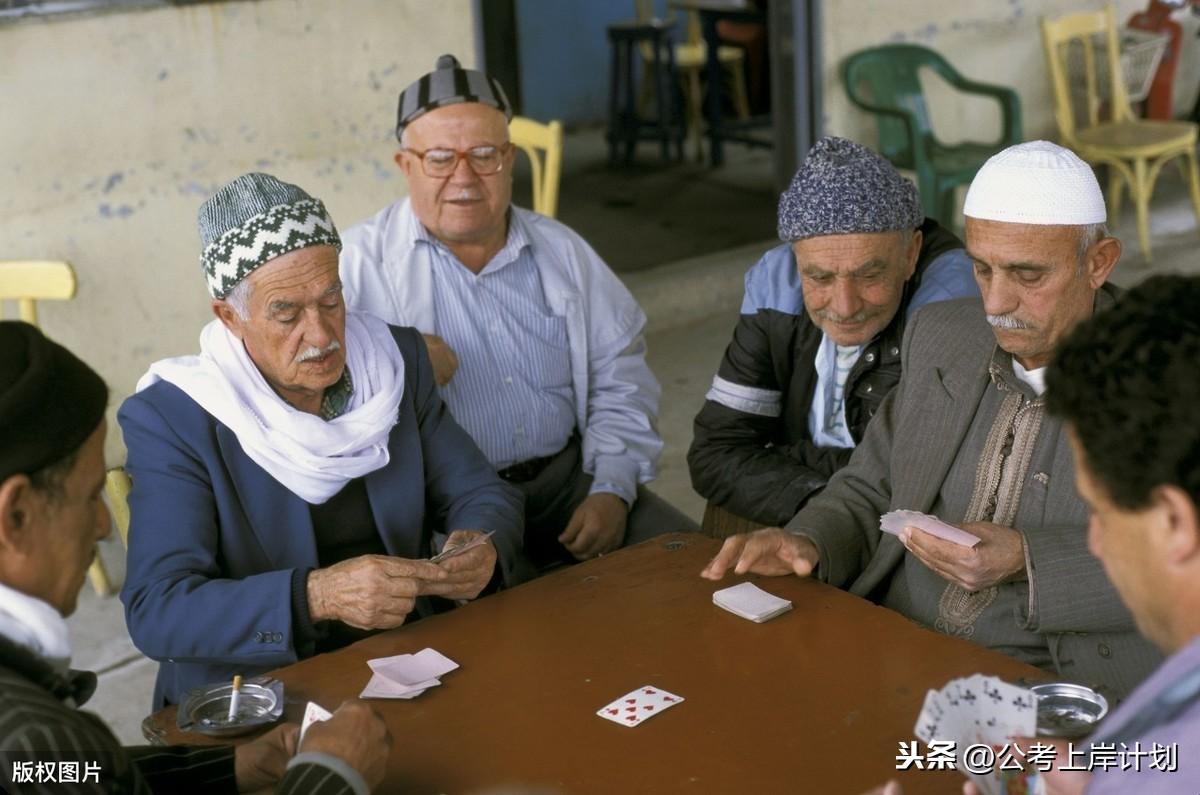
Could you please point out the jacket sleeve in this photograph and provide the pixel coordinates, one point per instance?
(186, 769)
(180, 604)
(621, 444)
(733, 460)
(462, 487)
(1061, 570)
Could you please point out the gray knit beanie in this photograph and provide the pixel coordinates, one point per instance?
(253, 220)
(449, 84)
(845, 188)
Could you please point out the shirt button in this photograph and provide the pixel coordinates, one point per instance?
(520, 430)
(1104, 651)
(869, 387)
(870, 357)
(895, 351)
(508, 379)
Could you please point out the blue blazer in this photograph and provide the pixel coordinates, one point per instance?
(214, 539)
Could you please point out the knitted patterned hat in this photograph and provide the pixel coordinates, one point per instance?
(845, 188)
(449, 84)
(253, 220)
(1036, 182)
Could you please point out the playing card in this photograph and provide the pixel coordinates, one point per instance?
(313, 713)
(381, 687)
(895, 521)
(639, 705)
(413, 669)
(449, 552)
(749, 601)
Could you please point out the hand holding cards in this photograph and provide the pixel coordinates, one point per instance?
(749, 601)
(449, 552)
(894, 522)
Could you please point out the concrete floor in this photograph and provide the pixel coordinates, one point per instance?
(692, 306)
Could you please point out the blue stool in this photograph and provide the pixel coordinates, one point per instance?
(625, 126)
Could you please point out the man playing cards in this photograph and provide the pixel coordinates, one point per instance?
(965, 437)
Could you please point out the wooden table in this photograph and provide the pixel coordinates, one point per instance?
(815, 700)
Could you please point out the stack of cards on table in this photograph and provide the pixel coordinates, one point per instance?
(638, 706)
(406, 675)
(749, 601)
(980, 710)
(895, 521)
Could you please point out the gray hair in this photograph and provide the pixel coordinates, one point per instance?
(239, 299)
(1089, 235)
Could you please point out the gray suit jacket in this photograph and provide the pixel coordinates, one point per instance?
(901, 463)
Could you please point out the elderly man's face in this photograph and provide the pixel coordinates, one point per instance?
(1034, 287)
(463, 208)
(62, 528)
(853, 283)
(295, 331)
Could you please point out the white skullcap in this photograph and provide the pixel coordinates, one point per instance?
(1036, 183)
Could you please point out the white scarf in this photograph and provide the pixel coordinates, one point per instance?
(35, 625)
(311, 457)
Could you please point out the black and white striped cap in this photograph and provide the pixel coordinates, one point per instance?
(448, 84)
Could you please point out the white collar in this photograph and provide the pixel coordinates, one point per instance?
(1036, 378)
(33, 624)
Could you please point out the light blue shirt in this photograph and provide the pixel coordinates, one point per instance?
(827, 415)
(512, 391)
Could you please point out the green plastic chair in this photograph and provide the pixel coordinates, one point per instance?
(885, 81)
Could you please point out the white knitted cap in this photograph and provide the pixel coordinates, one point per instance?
(1036, 183)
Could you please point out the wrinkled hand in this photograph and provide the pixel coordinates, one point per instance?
(442, 357)
(466, 574)
(1058, 781)
(356, 735)
(998, 557)
(370, 591)
(260, 764)
(891, 788)
(771, 551)
(596, 527)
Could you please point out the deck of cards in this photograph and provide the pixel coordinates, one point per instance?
(979, 709)
(749, 601)
(895, 521)
(638, 706)
(406, 675)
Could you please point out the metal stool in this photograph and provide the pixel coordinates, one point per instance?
(624, 124)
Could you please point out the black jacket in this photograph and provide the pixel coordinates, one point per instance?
(752, 453)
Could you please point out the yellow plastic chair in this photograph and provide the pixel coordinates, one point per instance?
(116, 485)
(691, 58)
(543, 144)
(30, 281)
(1134, 149)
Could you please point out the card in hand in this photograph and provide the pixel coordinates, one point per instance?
(312, 713)
(639, 705)
(449, 552)
(895, 521)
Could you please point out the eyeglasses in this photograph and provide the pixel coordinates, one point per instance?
(483, 160)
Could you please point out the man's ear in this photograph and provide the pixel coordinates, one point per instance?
(17, 509)
(1182, 522)
(405, 163)
(1102, 257)
(228, 317)
(914, 253)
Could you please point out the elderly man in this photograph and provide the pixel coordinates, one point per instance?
(818, 345)
(52, 514)
(965, 436)
(287, 481)
(537, 346)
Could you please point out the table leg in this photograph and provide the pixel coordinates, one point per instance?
(712, 70)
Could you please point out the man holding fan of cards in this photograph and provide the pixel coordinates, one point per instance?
(287, 481)
(965, 438)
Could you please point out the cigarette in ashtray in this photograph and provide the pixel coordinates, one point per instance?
(458, 549)
(234, 698)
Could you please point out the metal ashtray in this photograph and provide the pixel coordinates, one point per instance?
(1068, 710)
(206, 709)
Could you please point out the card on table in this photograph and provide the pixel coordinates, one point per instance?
(894, 522)
(406, 675)
(638, 706)
(312, 713)
(749, 601)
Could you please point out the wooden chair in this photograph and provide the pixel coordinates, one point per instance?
(720, 523)
(543, 144)
(116, 486)
(691, 58)
(1135, 150)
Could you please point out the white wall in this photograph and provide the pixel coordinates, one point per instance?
(995, 41)
(116, 127)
